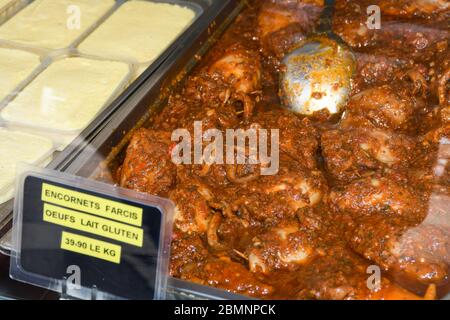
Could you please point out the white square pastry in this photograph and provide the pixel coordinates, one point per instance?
(15, 67)
(3, 3)
(53, 24)
(17, 147)
(139, 31)
(67, 95)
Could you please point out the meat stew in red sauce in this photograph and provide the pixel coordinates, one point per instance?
(368, 188)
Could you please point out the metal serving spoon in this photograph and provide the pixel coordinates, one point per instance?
(316, 75)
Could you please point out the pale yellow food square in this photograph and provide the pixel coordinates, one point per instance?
(138, 31)
(19, 147)
(67, 95)
(3, 3)
(53, 24)
(15, 67)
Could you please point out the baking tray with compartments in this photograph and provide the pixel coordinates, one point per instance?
(65, 143)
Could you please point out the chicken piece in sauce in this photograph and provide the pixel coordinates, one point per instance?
(351, 154)
(148, 166)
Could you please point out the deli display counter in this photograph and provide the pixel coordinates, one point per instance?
(356, 192)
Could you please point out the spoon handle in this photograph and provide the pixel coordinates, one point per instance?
(326, 18)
